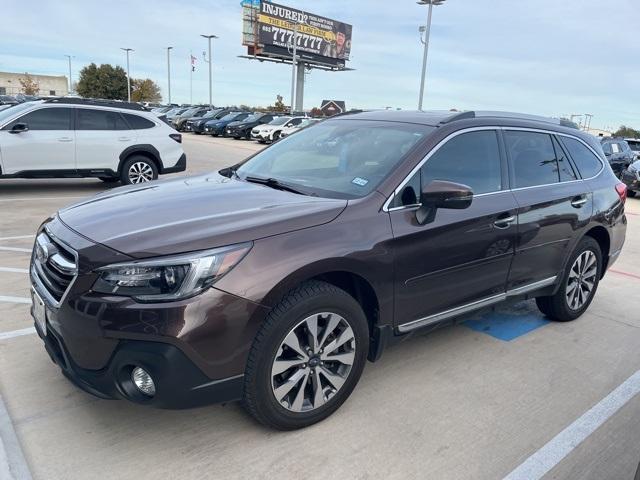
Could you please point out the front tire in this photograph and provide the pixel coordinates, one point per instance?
(138, 169)
(307, 358)
(579, 283)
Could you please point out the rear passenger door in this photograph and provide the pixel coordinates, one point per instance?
(553, 205)
(101, 136)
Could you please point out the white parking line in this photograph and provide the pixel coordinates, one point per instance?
(550, 455)
(13, 465)
(18, 237)
(13, 270)
(16, 249)
(9, 299)
(17, 333)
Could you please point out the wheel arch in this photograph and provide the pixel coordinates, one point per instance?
(148, 151)
(601, 235)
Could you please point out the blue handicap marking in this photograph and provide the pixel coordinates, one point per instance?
(508, 322)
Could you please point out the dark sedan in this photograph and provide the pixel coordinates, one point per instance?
(217, 127)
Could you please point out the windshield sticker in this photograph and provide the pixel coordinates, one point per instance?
(360, 181)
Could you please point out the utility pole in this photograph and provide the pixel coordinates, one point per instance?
(210, 61)
(70, 80)
(169, 73)
(427, 32)
(128, 76)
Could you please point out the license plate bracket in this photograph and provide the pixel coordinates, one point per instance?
(39, 311)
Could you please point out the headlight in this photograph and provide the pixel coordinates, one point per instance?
(169, 278)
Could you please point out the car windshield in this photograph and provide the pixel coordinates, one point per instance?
(10, 112)
(210, 113)
(253, 118)
(279, 121)
(190, 111)
(229, 116)
(336, 159)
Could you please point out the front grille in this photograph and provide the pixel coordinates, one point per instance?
(54, 265)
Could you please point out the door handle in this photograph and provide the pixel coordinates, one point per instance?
(124, 139)
(578, 202)
(505, 222)
(65, 139)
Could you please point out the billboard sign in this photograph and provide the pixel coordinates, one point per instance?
(319, 38)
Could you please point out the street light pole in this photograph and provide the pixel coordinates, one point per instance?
(209, 37)
(169, 73)
(70, 80)
(427, 31)
(128, 76)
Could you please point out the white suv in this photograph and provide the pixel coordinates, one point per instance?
(65, 137)
(270, 132)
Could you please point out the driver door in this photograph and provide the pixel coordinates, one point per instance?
(48, 144)
(461, 256)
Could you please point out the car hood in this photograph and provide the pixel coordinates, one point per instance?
(195, 213)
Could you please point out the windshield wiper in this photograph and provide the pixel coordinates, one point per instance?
(273, 183)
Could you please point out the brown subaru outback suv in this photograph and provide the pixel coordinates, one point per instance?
(274, 280)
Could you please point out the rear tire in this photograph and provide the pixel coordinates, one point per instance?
(579, 284)
(301, 341)
(138, 169)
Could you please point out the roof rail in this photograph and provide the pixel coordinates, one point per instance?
(97, 102)
(521, 116)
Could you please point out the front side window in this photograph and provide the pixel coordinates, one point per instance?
(587, 162)
(53, 118)
(336, 159)
(533, 158)
(89, 119)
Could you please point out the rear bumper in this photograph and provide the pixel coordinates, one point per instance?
(179, 383)
(181, 166)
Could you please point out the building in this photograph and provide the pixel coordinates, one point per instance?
(49, 85)
(332, 107)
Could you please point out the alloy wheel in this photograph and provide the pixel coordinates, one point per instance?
(140, 172)
(581, 280)
(313, 362)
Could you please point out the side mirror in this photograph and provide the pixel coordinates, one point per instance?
(441, 194)
(19, 128)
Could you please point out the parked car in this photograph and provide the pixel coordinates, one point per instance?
(306, 122)
(8, 100)
(631, 177)
(243, 129)
(162, 110)
(171, 114)
(634, 144)
(197, 112)
(67, 137)
(618, 153)
(217, 127)
(271, 131)
(274, 280)
(197, 124)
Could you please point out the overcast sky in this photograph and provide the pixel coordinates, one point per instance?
(547, 57)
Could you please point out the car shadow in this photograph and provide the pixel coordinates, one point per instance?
(54, 186)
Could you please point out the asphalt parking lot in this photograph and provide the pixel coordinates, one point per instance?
(505, 392)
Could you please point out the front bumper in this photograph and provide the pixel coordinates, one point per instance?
(179, 383)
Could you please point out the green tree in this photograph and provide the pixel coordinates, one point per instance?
(105, 81)
(627, 132)
(145, 90)
(30, 86)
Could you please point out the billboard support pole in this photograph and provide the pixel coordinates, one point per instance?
(294, 63)
(424, 57)
(300, 86)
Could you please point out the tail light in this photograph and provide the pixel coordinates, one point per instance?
(621, 189)
(176, 136)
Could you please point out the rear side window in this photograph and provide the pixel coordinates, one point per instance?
(565, 169)
(89, 119)
(533, 158)
(46, 119)
(587, 162)
(615, 148)
(137, 122)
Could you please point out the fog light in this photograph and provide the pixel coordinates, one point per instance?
(143, 381)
